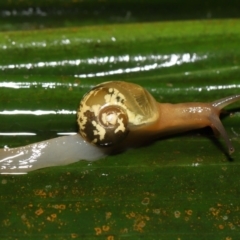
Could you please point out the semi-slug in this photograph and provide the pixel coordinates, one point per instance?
(116, 115)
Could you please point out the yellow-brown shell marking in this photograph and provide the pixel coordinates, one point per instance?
(111, 109)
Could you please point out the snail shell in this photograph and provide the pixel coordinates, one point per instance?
(110, 110)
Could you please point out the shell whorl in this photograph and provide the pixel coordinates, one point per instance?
(110, 110)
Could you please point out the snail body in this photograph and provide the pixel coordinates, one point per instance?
(111, 116)
(142, 116)
(53, 152)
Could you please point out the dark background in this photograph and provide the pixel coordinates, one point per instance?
(25, 14)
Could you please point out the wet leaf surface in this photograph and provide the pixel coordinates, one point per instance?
(180, 187)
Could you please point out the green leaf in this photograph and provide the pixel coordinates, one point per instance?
(180, 187)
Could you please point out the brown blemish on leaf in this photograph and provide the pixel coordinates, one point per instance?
(110, 237)
(44, 194)
(231, 225)
(39, 211)
(156, 211)
(145, 201)
(74, 235)
(124, 230)
(108, 215)
(59, 206)
(220, 226)
(52, 217)
(149, 194)
(220, 214)
(132, 215)
(4, 181)
(214, 211)
(25, 221)
(189, 212)
(98, 230)
(6, 222)
(105, 228)
(77, 206)
(40, 193)
(177, 214)
(139, 225)
(139, 221)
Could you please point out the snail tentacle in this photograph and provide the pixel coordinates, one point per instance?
(216, 125)
(221, 103)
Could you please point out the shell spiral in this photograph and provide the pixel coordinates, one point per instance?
(110, 110)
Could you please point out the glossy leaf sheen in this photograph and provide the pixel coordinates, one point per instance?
(181, 187)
